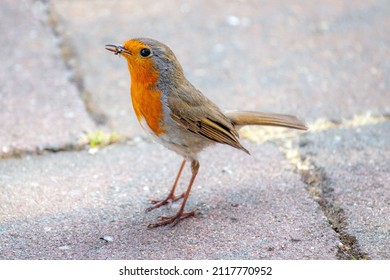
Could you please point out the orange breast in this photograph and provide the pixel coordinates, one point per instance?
(146, 99)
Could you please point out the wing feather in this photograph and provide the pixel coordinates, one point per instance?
(204, 118)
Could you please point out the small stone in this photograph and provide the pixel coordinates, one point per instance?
(323, 26)
(107, 238)
(233, 21)
(93, 151)
(226, 170)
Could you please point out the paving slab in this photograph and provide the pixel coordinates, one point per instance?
(357, 165)
(77, 205)
(40, 108)
(328, 59)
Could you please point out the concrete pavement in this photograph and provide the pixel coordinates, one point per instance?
(323, 194)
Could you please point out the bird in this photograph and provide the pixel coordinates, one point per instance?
(179, 116)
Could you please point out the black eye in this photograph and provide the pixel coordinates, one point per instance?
(145, 52)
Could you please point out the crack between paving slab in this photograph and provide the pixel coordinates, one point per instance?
(19, 153)
(70, 57)
(84, 143)
(315, 178)
(318, 186)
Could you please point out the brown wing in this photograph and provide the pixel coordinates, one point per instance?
(199, 115)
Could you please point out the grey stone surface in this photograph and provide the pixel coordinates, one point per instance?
(315, 59)
(74, 205)
(39, 107)
(357, 163)
(310, 59)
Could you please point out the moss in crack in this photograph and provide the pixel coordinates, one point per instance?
(100, 138)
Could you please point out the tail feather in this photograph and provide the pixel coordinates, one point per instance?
(240, 118)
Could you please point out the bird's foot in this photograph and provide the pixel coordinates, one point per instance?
(173, 219)
(168, 200)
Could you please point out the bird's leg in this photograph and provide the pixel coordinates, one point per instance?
(180, 215)
(171, 197)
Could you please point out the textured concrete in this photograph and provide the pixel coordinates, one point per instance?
(304, 57)
(40, 108)
(357, 164)
(311, 59)
(68, 205)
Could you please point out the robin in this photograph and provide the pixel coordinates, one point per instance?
(179, 116)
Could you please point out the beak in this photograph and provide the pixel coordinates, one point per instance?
(116, 49)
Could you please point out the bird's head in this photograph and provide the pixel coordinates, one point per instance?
(149, 60)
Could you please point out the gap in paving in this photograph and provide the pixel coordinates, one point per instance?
(318, 184)
(45, 150)
(318, 187)
(83, 144)
(70, 58)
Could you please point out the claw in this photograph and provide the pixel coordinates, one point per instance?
(173, 219)
(168, 200)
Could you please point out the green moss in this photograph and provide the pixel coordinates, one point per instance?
(100, 138)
